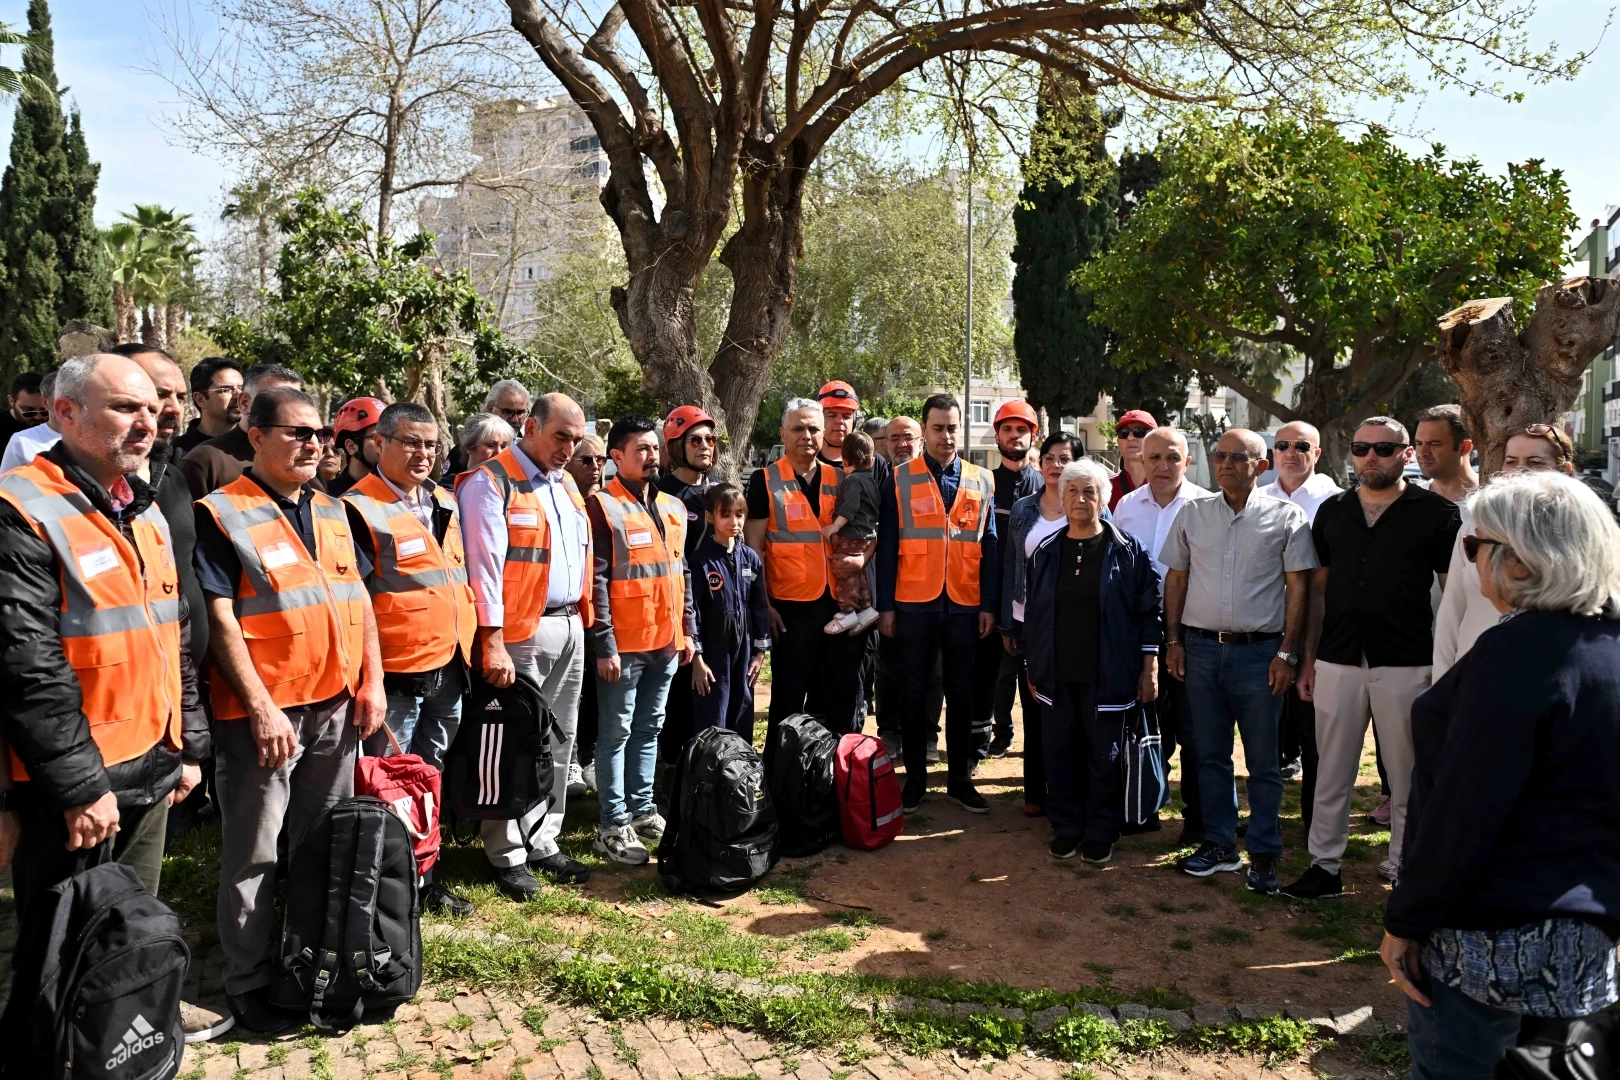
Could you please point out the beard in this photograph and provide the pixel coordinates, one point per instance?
(1017, 456)
(1376, 480)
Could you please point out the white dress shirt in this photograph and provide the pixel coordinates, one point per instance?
(26, 443)
(483, 528)
(419, 500)
(1140, 515)
(1317, 489)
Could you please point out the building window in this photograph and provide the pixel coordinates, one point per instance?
(981, 411)
(581, 146)
(528, 273)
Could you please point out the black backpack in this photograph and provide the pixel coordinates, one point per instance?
(351, 937)
(799, 755)
(721, 832)
(499, 767)
(96, 990)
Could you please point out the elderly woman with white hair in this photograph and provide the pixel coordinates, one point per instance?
(1505, 918)
(1090, 637)
(483, 436)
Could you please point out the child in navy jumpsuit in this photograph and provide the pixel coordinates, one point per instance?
(732, 618)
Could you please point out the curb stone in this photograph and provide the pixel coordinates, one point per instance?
(1257, 1012)
(1212, 1015)
(1047, 1018)
(1131, 1012)
(1178, 1019)
(1101, 1012)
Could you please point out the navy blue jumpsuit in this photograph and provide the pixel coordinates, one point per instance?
(733, 625)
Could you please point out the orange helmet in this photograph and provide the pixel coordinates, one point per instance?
(838, 396)
(682, 418)
(1016, 410)
(357, 414)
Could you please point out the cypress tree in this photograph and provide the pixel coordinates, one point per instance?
(86, 277)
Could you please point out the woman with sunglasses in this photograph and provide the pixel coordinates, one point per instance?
(1464, 612)
(1129, 435)
(1504, 922)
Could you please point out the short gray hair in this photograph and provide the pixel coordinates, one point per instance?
(1561, 532)
(72, 377)
(47, 386)
(875, 426)
(502, 387)
(1085, 469)
(794, 404)
(480, 426)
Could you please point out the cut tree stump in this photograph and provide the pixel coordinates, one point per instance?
(1508, 380)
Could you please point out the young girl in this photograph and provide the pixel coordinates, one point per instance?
(732, 618)
(852, 536)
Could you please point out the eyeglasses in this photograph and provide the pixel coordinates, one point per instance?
(512, 416)
(701, 437)
(303, 434)
(1133, 432)
(414, 445)
(1552, 435)
(1382, 449)
(223, 389)
(1052, 459)
(590, 459)
(1282, 446)
(1472, 544)
(1237, 457)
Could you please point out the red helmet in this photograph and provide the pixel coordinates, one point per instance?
(683, 418)
(838, 396)
(1016, 410)
(357, 414)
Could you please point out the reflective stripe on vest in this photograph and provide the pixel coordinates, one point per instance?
(940, 552)
(418, 586)
(120, 616)
(646, 589)
(302, 618)
(795, 552)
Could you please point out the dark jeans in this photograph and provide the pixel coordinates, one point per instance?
(1457, 1038)
(816, 672)
(986, 683)
(680, 714)
(43, 861)
(1227, 685)
(1300, 717)
(891, 691)
(1175, 729)
(1034, 739)
(1083, 785)
(954, 637)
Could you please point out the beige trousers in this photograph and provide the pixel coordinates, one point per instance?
(1344, 697)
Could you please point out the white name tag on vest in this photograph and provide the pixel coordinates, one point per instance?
(412, 545)
(98, 561)
(638, 539)
(523, 519)
(278, 555)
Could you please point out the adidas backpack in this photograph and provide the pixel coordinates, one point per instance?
(96, 989)
(499, 767)
(868, 793)
(799, 757)
(721, 832)
(351, 935)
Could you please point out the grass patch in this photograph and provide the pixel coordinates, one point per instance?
(1280, 1039)
(785, 886)
(1185, 944)
(1229, 935)
(938, 933)
(855, 919)
(459, 1022)
(534, 1018)
(828, 939)
(1387, 1050)
(645, 888)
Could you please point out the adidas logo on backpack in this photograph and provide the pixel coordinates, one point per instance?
(141, 1036)
(493, 706)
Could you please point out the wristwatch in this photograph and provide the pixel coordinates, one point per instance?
(1289, 658)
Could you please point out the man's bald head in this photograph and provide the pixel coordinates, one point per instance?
(1296, 451)
(1164, 455)
(555, 425)
(171, 390)
(106, 410)
(905, 439)
(1240, 457)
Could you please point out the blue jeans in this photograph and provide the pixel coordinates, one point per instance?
(424, 718)
(1457, 1037)
(1226, 685)
(630, 712)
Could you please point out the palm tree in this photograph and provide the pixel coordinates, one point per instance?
(257, 202)
(165, 250)
(14, 83)
(141, 268)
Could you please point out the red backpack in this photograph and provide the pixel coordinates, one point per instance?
(410, 787)
(868, 793)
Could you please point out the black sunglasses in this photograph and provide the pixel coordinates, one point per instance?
(1382, 449)
(300, 433)
(1283, 445)
(1134, 432)
(1472, 544)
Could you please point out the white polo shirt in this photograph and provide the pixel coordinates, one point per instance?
(1317, 489)
(1142, 517)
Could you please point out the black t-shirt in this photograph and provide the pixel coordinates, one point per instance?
(1377, 600)
(759, 509)
(1079, 606)
(1012, 485)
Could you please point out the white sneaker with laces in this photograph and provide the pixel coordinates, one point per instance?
(576, 780)
(649, 826)
(621, 844)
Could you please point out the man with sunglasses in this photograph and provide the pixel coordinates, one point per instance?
(26, 406)
(1369, 645)
(1129, 435)
(33, 440)
(507, 399)
(213, 464)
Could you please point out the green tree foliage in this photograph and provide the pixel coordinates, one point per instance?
(1347, 251)
(51, 266)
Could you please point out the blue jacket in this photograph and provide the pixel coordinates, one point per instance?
(1014, 566)
(730, 603)
(1130, 626)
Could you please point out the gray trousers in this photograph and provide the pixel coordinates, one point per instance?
(263, 814)
(555, 659)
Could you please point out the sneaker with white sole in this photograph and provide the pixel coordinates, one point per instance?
(200, 1023)
(1389, 871)
(841, 623)
(649, 827)
(576, 780)
(621, 844)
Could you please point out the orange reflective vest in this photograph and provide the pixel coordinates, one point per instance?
(526, 574)
(303, 619)
(646, 586)
(418, 587)
(120, 615)
(939, 551)
(795, 552)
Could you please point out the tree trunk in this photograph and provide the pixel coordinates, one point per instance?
(174, 323)
(1506, 380)
(126, 325)
(151, 328)
(656, 312)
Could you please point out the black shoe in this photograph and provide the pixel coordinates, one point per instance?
(1315, 884)
(1096, 852)
(438, 899)
(1063, 847)
(911, 798)
(1150, 825)
(968, 798)
(1210, 858)
(515, 882)
(560, 868)
(1000, 745)
(1262, 874)
(254, 1012)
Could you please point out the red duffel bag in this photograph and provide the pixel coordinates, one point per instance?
(868, 792)
(411, 787)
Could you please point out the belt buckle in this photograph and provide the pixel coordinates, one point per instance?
(1225, 638)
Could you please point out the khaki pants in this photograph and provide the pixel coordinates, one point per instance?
(1344, 697)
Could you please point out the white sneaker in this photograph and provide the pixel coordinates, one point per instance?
(933, 751)
(649, 827)
(621, 844)
(588, 774)
(842, 622)
(1389, 871)
(576, 780)
(201, 1023)
(864, 618)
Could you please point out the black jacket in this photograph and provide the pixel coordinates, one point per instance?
(1514, 814)
(174, 503)
(41, 712)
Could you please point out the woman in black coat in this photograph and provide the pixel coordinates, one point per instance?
(1090, 638)
(1508, 905)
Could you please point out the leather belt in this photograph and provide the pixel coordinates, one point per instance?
(571, 609)
(1229, 637)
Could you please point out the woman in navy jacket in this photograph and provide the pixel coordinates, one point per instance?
(1090, 638)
